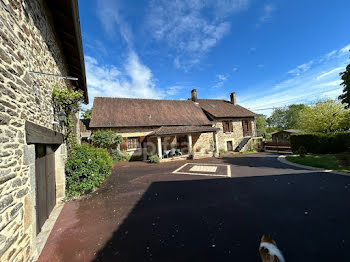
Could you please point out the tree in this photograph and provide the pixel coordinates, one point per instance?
(345, 97)
(292, 116)
(261, 125)
(286, 117)
(277, 118)
(106, 139)
(325, 116)
(87, 114)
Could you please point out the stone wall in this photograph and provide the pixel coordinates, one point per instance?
(235, 136)
(27, 43)
(203, 143)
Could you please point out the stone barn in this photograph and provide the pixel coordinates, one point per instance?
(40, 48)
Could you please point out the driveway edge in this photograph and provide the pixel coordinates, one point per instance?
(282, 159)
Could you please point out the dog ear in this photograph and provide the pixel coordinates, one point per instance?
(268, 239)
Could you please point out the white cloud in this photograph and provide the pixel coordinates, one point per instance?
(301, 68)
(336, 71)
(108, 12)
(222, 77)
(221, 80)
(267, 13)
(252, 50)
(133, 80)
(173, 90)
(345, 49)
(191, 27)
(311, 81)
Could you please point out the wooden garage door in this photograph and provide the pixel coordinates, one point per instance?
(45, 188)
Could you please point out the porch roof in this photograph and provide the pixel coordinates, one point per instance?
(169, 130)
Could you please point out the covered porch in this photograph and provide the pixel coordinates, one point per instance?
(183, 141)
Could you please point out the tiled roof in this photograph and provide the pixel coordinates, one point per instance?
(130, 112)
(223, 108)
(167, 130)
(84, 125)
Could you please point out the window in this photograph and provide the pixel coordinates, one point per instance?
(247, 127)
(134, 142)
(227, 126)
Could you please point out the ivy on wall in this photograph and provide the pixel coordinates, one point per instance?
(66, 102)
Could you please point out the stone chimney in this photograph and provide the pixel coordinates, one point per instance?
(194, 95)
(233, 98)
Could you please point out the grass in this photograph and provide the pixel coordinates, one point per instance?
(327, 161)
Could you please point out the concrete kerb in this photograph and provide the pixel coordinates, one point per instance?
(42, 237)
(282, 159)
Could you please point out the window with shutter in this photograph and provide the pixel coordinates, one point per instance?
(133, 142)
(226, 126)
(124, 144)
(231, 126)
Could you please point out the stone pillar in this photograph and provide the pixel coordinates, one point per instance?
(216, 139)
(159, 146)
(190, 143)
(60, 159)
(29, 216)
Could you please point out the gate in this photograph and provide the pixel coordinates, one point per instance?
(45, 188)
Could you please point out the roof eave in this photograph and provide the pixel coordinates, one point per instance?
(65, 13)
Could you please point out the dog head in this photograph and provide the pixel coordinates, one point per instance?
(269, 251)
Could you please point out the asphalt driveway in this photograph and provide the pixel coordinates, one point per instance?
(145, 212)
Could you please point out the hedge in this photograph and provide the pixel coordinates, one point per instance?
(86, 168)
(320, 143)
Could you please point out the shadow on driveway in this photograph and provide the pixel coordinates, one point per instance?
(223, 219)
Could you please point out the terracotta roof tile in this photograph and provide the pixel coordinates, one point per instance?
(223, 108)
(129, 112)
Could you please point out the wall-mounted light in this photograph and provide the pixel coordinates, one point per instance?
(62, 116)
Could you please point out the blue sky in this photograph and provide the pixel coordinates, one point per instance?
(271, 53)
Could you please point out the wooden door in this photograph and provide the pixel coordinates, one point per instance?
(45, 188)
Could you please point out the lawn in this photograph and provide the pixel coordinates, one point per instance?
(328, 161)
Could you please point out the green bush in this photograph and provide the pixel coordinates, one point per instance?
(302, 151)
(107, 139)
(320, 143)
(86, 168)
(154, 159)
(119, 155)
(222, 151)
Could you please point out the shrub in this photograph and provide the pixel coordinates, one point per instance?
(119, 155)
(86, 168)
(320, 143)
(154, 159)
(302, 151)
(222, 151)
(107, 139)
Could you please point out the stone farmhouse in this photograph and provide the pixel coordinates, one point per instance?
(200, 127)
(40, 45)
